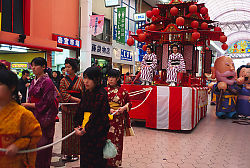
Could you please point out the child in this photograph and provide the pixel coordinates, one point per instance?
(19, 129)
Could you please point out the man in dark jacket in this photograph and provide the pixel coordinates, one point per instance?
(23, 84)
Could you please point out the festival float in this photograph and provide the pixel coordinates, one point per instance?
(181, 107)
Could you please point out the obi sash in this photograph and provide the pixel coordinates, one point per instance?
(86, 118)
(34, 99)
(114, 106)
(149, 62)
(175, 62)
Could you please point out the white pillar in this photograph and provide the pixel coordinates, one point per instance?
(85, 34)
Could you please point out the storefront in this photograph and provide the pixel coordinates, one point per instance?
(101, 55)
(70, 47)
(19, 58)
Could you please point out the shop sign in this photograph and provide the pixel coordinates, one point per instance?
(139, 16)
(121, 15)
(112, 3)
(67, 41)
(19, 65)
(101, 49)
(238, 55)
(126, 55)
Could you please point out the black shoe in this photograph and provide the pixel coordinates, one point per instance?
(72, 158)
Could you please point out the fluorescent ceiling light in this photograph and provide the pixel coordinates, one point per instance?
(10, 48)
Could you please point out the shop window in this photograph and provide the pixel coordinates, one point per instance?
(12, 16)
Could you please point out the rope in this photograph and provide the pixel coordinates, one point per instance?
(150, 90)
(42, 147)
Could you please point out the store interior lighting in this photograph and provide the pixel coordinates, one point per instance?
(10, 48)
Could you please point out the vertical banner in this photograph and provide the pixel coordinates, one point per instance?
(121, 15)
(96, 24)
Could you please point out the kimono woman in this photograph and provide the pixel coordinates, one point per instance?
(92, 118)
(148, 66)
(43, 103)
(119, 102)
(19, 128)
(176, 64)
(71, 88)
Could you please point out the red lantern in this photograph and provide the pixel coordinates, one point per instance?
(195, 24)
(152, 27)
(147, 28)
(139, 31)
(192, 8)
(208, 18)
(217, 29)
(205, 16)
(196, 35)
(207, 48)
(130, 41)
(142, 37)
(155, 11)
(149, 14)
(153, 18)
(203, 10)
(174, 11)
(144, 47)
(223, 39)
(204, 26)
(224, 46)
(180, 21)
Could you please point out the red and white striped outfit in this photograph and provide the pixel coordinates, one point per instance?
(147, 69)
(172, 70)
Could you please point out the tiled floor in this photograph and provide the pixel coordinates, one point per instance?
(214, 143)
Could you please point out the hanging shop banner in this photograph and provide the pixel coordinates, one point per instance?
(101, 49)
(96, 24)
(126, 55)
(242, 46)
(67, 41)
(121, 15)
(139, 17)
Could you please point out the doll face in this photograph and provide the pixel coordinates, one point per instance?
(112, 81)
(224, 70)
(88, 83)
(148, 51)
(5, 94)
(245, 72)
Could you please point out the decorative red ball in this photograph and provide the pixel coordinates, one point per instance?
(208, 18)
(207, 48)
(195, 24)
(147, 28)
(203, 10)
(205, 16)
(223, 39)
(139, 31)
(153, 18)
(130, 41)
(192, 8)
(149, 14)
(144, 47)
(196, 35)
(142, 37)
(224, 46)
(174, 11)
(152, 27)
(217, 29)
(155, 11)
(204, 26)
(180, 21)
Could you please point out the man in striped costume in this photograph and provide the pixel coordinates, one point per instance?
(176, 64)
(148, 65)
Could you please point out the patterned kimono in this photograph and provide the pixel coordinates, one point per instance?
(148, 65)
(43, 93)
(243, 102)
(176, 64)
(93, 141)
(18, 126)
(118, 97)
(70, 87)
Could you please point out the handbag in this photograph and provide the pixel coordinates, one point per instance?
(109, 150)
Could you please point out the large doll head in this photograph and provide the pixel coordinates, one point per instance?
(244, 71)
(224, 70)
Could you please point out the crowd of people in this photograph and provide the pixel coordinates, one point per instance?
(29, 108)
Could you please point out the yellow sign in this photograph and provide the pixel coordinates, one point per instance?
(17, 66)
